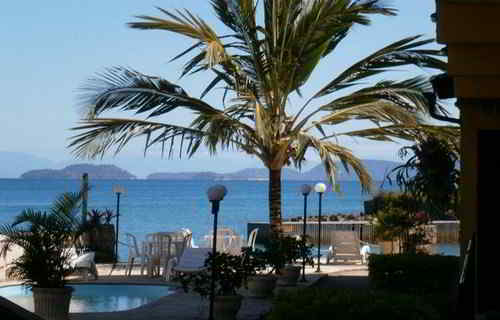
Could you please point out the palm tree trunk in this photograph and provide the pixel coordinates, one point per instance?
(275, 199)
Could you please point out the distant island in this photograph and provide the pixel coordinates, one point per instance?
(377, 168)
(76, 171)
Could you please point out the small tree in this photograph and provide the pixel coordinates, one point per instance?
(430, 175)
(397, 223)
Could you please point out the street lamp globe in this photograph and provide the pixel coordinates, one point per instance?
(320, 187)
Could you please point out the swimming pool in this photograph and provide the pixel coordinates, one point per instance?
(96, 297)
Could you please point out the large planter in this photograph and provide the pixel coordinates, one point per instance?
(288, 276)
(260, 286)
(52, 303)
(101, 240)
(226, 307)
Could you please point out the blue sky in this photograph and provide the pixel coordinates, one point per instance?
(50, 48)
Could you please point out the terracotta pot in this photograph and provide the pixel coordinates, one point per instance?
(226, 307)
(52, 303)
(260, 286)
(288, 276)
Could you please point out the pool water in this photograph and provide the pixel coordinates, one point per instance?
(96, 297)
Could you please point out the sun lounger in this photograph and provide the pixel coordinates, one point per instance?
(191, 260)
(346, 246)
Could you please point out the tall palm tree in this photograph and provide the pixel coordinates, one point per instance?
(269, 53)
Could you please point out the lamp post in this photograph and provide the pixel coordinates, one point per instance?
(319, 188)
(85, 196)
(215, 195)
(305, 189)
(118, 190)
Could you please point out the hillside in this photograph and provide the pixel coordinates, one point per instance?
(77, 170)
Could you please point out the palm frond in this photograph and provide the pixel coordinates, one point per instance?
(128, 90)
(329, 153)
(405, 132)
(187, 24)
(396, 54)
(100, 135)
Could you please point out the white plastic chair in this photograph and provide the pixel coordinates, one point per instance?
(368, 249)
(160, 249)
(134, 252)
(85, 264)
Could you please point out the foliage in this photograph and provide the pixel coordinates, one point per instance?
(254, 261)
(385, 199)
(46, 239)
(430, 174)
(395, 223)
(422, 274)
(261, 64)
(98, 217)
(282, 250)
(230, 274)
(316, 304)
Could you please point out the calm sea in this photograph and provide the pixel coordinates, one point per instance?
(162, 205)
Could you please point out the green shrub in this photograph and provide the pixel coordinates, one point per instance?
(418, 273)
(315, 303)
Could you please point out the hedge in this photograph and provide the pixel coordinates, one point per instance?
(418, 273)
(320, 304)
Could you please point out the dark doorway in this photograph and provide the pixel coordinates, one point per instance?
(488, 215)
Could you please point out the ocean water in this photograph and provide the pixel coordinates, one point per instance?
(162, 205)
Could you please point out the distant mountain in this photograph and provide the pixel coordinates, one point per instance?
(377, 168)
(13, 164)
(77, 170)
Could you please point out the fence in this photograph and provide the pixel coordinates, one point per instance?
(441, 231)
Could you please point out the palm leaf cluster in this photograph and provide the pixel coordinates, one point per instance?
(46, 239)
(269, 52)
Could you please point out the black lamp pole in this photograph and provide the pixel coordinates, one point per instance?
(215, 195)
(215, 211)
(117, 223)
(118, 190)
(305, 189)
(319, 188)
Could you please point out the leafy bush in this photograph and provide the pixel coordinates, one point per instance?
(281, 250)
(383, 200)
(418, 273)
(394, 223)
(316, 303)
(230, 275)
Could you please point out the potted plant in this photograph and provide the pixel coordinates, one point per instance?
(47, 239)
(100, 236)
(259, 283)
(230, 276)
(282, 253)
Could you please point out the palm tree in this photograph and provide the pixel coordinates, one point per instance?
(269, 53)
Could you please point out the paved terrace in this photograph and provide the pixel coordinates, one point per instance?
(184, 306)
